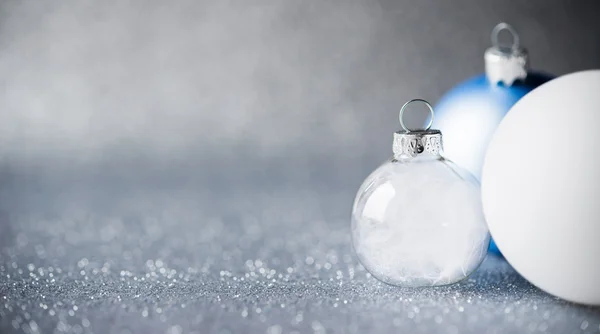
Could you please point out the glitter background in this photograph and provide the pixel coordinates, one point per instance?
(191, 166)
(97, 252)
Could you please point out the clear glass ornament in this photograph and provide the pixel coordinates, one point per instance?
(417, 220)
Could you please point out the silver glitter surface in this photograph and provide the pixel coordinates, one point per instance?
(101, 254)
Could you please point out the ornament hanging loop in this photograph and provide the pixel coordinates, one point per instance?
(505, 26)
(401, 116)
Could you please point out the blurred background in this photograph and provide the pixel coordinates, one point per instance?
(248, 92)
(205, 134)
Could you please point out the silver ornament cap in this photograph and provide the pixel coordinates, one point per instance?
(421, 142)
(506, 64)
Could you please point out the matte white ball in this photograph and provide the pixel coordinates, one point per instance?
(541, 187)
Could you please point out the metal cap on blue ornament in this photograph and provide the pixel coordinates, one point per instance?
(469, 113)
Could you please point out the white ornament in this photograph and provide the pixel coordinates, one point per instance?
(541, 187)
(417, 220)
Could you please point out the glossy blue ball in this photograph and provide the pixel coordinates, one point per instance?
(469, 114)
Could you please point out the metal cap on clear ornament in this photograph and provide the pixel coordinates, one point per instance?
(505, 63)
(419, 142)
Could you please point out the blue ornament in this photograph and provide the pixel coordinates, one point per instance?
(469, 114)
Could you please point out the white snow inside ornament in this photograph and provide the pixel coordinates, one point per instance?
(417, 220)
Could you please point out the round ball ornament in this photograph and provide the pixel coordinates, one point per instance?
(469, 114)
(417, 220)
(541, 186)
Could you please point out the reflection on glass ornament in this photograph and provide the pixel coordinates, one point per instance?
(469, 114)
(540, 187)
(417, 219)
